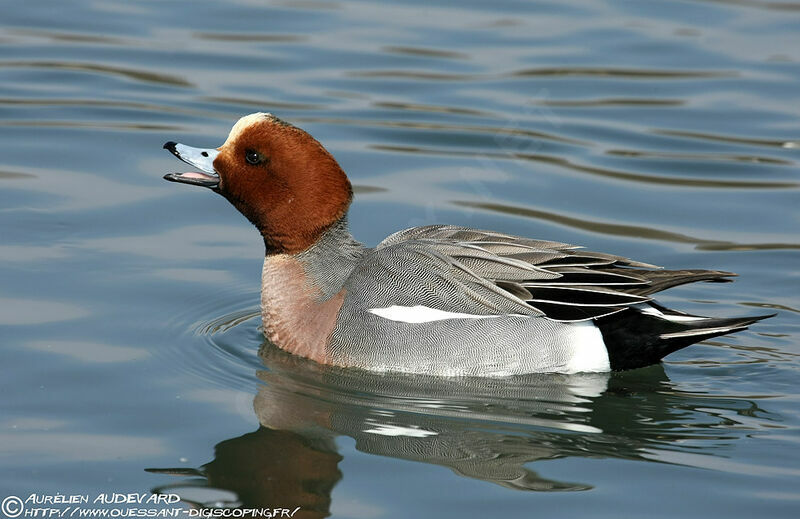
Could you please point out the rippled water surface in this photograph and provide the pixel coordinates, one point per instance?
(664, 131)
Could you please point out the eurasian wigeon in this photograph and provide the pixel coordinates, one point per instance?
(439, 299)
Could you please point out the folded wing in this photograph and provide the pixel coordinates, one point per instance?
(490, 273)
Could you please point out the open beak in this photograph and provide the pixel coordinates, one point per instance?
(202, 159)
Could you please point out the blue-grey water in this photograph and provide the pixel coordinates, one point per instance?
(667, 131)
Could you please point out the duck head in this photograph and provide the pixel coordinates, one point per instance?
(276, 175)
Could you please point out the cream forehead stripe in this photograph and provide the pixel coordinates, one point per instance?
(246, 122)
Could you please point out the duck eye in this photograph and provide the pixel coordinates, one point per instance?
(252, 157)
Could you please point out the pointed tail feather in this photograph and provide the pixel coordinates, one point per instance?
(645, 334)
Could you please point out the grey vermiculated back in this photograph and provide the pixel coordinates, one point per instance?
(557, 280)
(454, 233)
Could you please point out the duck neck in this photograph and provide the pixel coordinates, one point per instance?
(329, 262)
(301, 294)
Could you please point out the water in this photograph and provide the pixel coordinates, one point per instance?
(664, 131)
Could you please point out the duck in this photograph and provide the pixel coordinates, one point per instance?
(442, 300)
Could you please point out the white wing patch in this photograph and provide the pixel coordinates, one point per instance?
(422, 314)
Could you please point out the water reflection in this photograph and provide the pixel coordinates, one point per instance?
(634, 231)
(661, 130)
(486, 429)
(93, 68)
(262, 469)
(638, 73)
(605, 172)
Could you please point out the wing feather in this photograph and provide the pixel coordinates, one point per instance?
(488, 272)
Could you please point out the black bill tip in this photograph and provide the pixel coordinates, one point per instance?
(171, 147)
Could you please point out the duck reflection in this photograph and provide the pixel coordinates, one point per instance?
(487, 429)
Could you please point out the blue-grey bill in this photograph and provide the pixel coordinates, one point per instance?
(202, 159)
